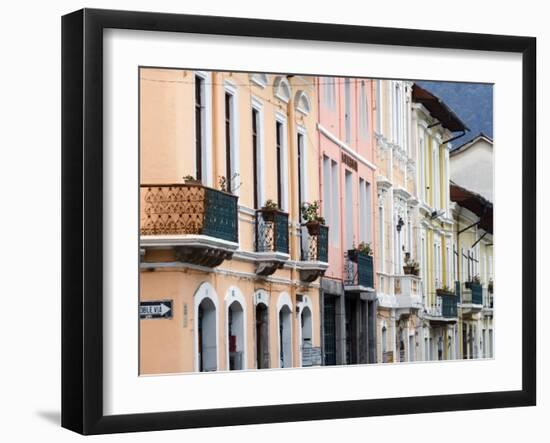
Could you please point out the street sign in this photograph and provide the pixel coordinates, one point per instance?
(155, 309)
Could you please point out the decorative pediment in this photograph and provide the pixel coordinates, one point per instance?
(281, 89)
(259, 79)
(302, 103)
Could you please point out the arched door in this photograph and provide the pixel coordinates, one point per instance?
(307, 335)
(235, 336)
(262, 336)
(207, 336)
(285, 337)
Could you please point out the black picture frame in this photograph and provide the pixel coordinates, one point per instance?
(82, 236)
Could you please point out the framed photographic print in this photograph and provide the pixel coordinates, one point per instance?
(270, 221)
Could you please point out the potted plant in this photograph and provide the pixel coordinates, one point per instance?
(411, 267)
(474, 281)
(269, 209)
(226, 185)
(310, 214)
(190, 180)
(363, 247)
(444, 290)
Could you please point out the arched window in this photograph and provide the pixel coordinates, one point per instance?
(305, 309)
(206, 330)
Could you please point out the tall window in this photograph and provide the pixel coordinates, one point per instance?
(349, 210)
(335, 188)
(279, 140)
(364, 210)
(331, 204)
(301, 170)
(379, 106)
(347, 110)
(329, 88)
(228, 141)
(256, 156)
(364, 110)
(199, 125)
(381, 234)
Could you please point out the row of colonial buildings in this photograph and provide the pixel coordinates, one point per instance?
(291, 221)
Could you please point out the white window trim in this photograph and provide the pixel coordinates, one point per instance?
(257, 104)
(207, 136)
(259, 79)
(300, 129)
(281, 118)
(302, 103)
(282, 89)
(231, 89)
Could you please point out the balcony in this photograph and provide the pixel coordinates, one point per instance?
(445, 307)
(471, 296)
(271, 240)
(408, 291)
(198, 222)
(314, 252)
(359, 274)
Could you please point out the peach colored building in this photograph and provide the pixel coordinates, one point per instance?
(229, 273)
(345, 134)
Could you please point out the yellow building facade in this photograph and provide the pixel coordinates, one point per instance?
(225, 167)
(435, 127)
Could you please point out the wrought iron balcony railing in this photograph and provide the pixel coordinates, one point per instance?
(359, 269)
(314, 252)
(177, 209)
(472, 294)
(271, 240)
(271, 231)
(445, 306)
(315, 245)
(199, 222)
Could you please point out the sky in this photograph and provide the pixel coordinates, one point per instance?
(472, 102)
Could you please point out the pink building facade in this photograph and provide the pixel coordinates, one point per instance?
(345, 132)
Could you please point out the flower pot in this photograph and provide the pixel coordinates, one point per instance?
(409, 270)
(313, 227)
(268, 214)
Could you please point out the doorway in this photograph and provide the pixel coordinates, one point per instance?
(285, 337)
(207, 336)
(235, 336)
(262, 336)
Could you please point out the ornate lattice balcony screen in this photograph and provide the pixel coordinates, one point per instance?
(177, 209)
(315, 246)
(271, 231)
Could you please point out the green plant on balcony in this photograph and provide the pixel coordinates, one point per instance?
(475, 281)
(229, 185)
(362, 248)
(269, 209)
(444, 290)
(411, 267)
(311, 217)
(190, 180)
